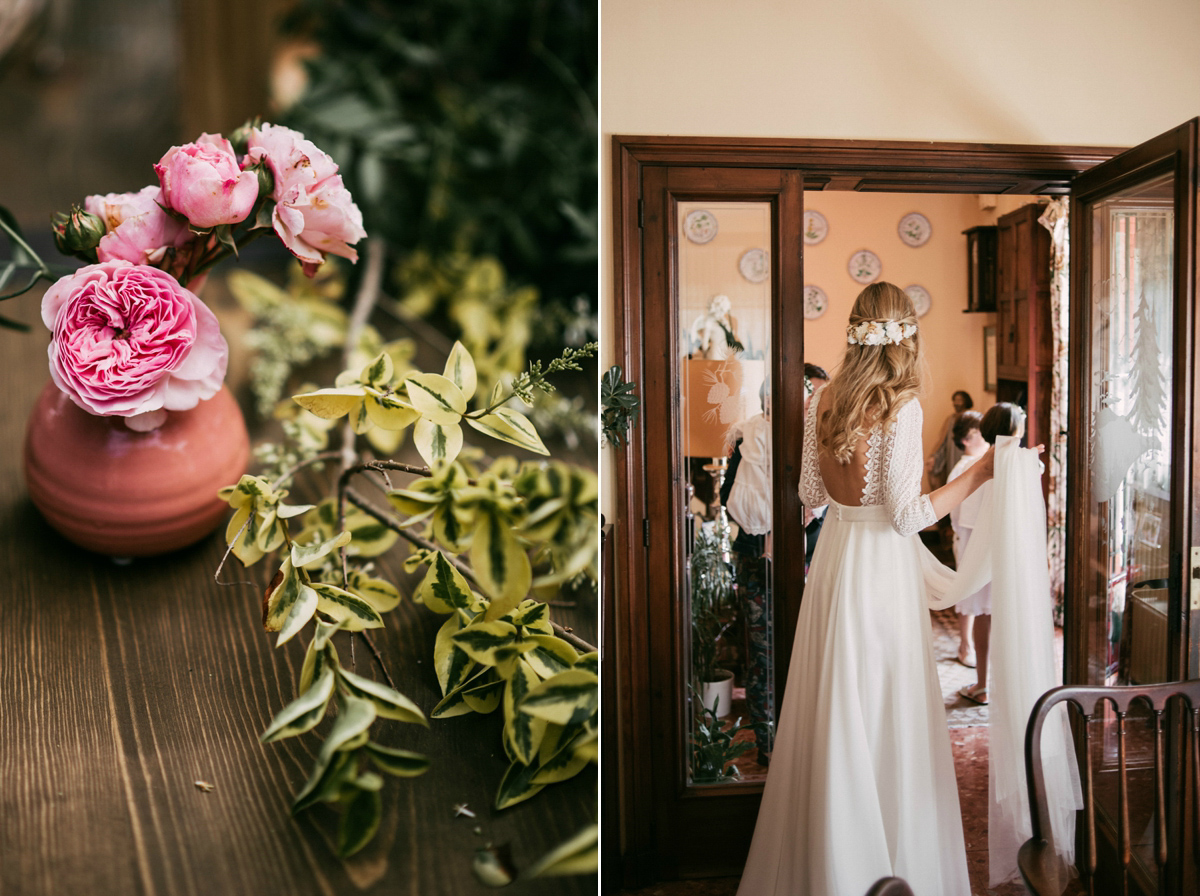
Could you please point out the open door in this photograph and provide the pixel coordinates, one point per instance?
(1133, 555)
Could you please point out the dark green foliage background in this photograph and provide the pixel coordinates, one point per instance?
(464, 125)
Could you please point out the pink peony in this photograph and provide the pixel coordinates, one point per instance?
(314, 212)
(202, 181)
(139, 231)
(129, 341)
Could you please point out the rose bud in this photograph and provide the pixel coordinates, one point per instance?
(202, 181)
(78, 232)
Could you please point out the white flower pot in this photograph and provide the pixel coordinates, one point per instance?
(720, 690)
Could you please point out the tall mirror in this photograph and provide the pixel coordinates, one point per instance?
(724, 346)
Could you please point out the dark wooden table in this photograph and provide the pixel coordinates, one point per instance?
(121, 686)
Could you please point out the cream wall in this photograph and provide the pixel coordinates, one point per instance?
(1099, 72)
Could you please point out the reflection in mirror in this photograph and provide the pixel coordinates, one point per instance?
(724, 289)
(1132, 244)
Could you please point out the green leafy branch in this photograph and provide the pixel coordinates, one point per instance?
(525, 527)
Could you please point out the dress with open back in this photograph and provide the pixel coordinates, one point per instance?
(861, 782)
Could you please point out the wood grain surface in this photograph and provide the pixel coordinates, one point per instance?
(121, 686)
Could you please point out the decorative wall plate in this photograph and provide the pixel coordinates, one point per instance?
(815, 302)
(920, 299)
(915, 229)
(700, 226)
(755, 265)
(815, 227)
(865, 266)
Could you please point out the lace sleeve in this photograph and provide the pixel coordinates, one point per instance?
(910, 510)
(812, 488)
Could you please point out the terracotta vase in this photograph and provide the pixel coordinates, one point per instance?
(133, 494)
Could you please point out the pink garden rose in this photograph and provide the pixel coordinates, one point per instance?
(203, 182)
(129, 341)
(314, 213)
(139, 231)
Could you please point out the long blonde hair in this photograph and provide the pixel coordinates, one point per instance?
(873, 381)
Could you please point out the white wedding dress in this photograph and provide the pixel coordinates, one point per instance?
(861, 783)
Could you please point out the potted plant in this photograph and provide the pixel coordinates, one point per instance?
(714, 747)
(712, 615)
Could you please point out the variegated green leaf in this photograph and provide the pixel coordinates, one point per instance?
(451, 663)
(452, 526)
(401, 763)
(388, 412)
(437, 442)
(453, 703)
(522, 731)
(360, 420)
(319, 649)
(551, 656)
(369, 537)
(242, 535)
(579, 855)
(436, 397)
(509, 426)
(501, 567)
(303, 713)
(567, 698)
(287, 511)
(379, 593)
(589, 662)
(389, 703)
(282, 597)
(533, 614)
(563, 765)
(304, 554)
(460, 370)
(379, 372)
(300, 614)
(517, 785)
(354, 613)
(360, 821)
(444, 587)
(413, 503)
(270, 533)
(484, 698)
(354, 718)
(481, 640)
(329, 404)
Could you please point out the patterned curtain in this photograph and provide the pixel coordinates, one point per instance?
(1054, 219)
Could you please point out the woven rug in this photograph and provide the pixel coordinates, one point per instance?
(960, 712)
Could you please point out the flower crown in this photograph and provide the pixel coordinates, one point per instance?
(878, 332)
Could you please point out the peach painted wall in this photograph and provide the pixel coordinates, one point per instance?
(953, 340)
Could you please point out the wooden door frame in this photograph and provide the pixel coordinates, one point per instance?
(864, 166)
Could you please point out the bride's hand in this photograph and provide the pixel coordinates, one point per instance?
(986, 465)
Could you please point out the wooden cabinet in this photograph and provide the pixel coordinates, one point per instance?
(1024, 337)
(981, 268)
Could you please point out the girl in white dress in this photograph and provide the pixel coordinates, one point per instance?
(861, 783)
(976, 609)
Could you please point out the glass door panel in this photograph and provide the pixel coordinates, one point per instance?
(723, 348)
(1131, 450)
(1132, 363)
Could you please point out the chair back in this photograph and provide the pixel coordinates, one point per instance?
(890, 886)
(1036, 856)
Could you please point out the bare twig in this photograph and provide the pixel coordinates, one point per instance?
(378, 658)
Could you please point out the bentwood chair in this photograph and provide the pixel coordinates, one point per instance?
(1036, 858)
(890, 886)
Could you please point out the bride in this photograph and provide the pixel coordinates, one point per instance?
(861, 783)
